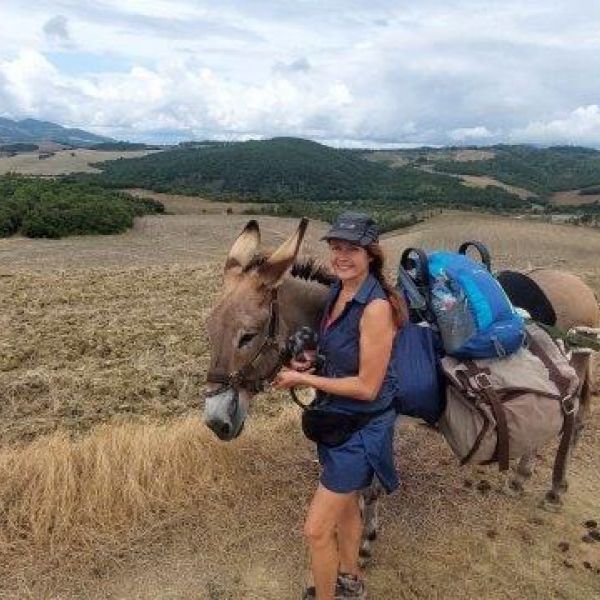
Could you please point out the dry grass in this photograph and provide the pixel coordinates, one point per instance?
(481, 181)
(573, 198)
(178, 204)
(63, 161)
(110, 486)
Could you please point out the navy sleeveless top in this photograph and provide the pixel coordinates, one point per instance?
(339, 343)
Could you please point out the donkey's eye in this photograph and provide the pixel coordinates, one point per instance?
(246, 339)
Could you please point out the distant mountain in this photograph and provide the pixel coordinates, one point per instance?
(32, 130)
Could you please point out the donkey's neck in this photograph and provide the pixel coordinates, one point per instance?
(301, 303)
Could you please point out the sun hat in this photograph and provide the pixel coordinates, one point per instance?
(358, 228)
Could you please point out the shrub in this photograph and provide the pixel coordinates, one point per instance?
(53, 209)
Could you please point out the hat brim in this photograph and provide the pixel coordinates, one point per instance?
(348, 236)
(343, 234)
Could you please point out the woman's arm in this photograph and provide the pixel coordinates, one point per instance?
(377, 333)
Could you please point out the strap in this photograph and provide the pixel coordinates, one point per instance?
(480, 383)
(486, 425)
(568, 407)
(484, 253)
(562, 383)
(296, 400)
(560, 461)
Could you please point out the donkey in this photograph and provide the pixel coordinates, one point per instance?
(264, 300)
(267, 298)
(560, 299)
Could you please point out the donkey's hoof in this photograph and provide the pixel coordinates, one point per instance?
(551, 502)
(513, 488)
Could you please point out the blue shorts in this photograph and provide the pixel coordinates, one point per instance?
(351, 466)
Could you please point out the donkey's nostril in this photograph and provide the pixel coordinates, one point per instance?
(221, 428)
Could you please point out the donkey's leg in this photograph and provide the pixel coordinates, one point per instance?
(369, 505)
(513, 485)
(552, 501)
(582, 363)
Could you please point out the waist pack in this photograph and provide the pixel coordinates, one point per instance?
(419, 377)
(328, 427)
(473, 313)
(501, 409)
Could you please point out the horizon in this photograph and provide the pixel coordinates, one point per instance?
(337, 144)
(348, 74)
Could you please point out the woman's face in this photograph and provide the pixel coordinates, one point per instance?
(348, 261)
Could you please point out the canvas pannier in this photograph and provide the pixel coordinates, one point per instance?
(500, 409)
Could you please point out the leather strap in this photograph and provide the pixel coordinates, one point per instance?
(568, 407)
(243, 375)
(480, 383)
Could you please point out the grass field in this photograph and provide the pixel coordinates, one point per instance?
(572, 198)
(63, 161)
(178, 204)
(111, 487)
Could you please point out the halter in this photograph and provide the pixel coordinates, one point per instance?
(243, 376)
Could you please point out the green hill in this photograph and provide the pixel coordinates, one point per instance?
(541, 170)
(288, 170)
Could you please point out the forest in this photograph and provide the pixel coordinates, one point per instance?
(49, 208)
(291, 170)
(541, 170)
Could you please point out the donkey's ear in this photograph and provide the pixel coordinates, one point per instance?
(244, 248)
(271, 272)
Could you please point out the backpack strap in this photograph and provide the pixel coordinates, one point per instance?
(484, 253)
(568, 407)
(479, 382)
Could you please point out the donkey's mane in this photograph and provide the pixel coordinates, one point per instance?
(308, 267)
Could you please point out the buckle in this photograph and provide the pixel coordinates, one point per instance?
(568, 405)
(482, 381)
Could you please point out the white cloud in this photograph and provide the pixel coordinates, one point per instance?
(56, 28)
(465, 134)
(581, 126)
(380, 72)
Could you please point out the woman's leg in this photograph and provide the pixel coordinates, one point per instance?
(320, 530)
(349, 535)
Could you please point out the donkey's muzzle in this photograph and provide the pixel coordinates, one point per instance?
(223, 429)
(223, 414)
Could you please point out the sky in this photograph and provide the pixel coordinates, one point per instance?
(375, 73)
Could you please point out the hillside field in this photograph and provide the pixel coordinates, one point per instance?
(63, 162)
(112, 488)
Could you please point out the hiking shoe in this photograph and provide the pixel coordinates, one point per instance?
(350, 587)
(347, 587)
(310, 593)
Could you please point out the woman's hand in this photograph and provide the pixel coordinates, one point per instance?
(289, 378)
(304, 361)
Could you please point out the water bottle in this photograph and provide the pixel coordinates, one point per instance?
(453, 314)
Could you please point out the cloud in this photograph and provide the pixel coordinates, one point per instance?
(56, 28)
(300, 65)
(465, 134)
(581, 126)
(381, 72)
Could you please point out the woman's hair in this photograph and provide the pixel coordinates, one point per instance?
(399, 308)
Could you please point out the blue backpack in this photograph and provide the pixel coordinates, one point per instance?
(473, 313)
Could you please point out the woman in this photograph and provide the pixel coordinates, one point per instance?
(356, 339)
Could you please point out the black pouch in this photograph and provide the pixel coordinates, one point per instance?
(331, 428)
